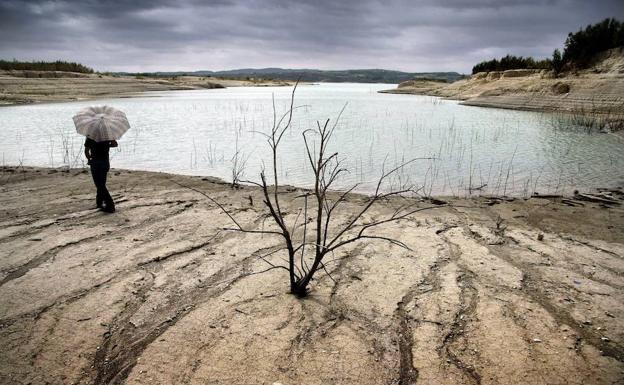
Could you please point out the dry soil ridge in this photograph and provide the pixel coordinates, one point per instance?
(26, 87)
(158, 293)
(598, 90)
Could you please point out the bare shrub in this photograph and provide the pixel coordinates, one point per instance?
(239, 164)
(308, 244)
(592, 118)
(72, 155)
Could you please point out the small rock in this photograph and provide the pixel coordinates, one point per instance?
(540, 237)
(560, 88)
(536, 340)
(605, 339)
(588, 322)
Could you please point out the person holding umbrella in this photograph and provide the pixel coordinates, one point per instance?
(103, 126)
(97, 157)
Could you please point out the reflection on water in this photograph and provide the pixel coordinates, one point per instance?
(473, 149)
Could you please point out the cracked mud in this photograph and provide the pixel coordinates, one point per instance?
(525, 291)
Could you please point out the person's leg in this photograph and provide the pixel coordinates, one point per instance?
(99, 170)
(96, 175)
(106, 197)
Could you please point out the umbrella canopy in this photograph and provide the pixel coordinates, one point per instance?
(101, 123)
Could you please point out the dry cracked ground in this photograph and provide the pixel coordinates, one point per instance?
(491, 292)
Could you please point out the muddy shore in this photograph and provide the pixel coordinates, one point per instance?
(493, 291)
(26, 87)
(595, 91)
(587, 94)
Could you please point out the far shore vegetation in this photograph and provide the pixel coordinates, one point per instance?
(579, 50)
(58, 65)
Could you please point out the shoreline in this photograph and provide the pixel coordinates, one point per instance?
(22, 90)
(131, 87)
(595, 92)
(160, 293)
(571, 193)
(586, 94)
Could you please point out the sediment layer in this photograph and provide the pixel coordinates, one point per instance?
(599, 90)
(493, 291)
(22, 87)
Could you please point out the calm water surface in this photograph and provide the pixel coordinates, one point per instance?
(195, 133)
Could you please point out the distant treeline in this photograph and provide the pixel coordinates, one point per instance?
(58, 65)
(579, 50)
(511, 62)
(582, 46)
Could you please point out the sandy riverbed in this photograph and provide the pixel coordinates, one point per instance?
(16, 87)
(158, 293)
(596, 91)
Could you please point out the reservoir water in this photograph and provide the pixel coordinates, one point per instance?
(470, 149)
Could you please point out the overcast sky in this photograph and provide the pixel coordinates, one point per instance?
(414, 36)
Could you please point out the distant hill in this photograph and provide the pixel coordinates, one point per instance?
(314, 75)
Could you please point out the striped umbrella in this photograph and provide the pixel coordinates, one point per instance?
(101, 123)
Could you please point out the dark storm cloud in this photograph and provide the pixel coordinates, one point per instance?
(193, 34)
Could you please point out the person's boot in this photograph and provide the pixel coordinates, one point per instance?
(109, 208)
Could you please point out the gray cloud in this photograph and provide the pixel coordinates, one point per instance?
(425, 35)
